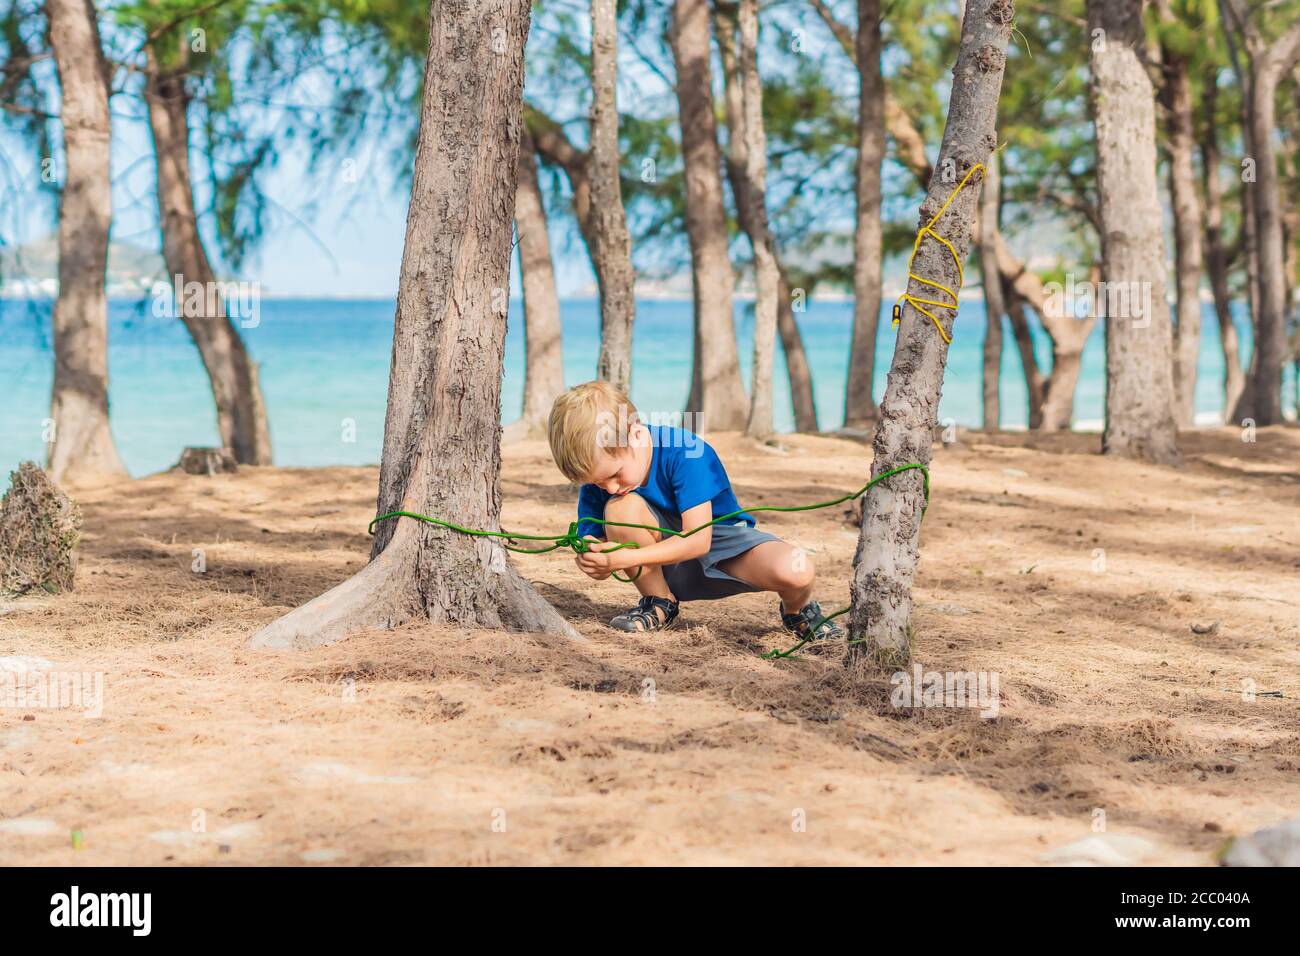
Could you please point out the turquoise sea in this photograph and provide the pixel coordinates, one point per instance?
(324, 363)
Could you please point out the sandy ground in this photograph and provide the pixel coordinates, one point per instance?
(1076, 580)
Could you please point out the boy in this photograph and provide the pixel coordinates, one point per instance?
(669, 478)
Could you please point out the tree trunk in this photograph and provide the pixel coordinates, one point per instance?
(442, 433)
(887, 555)
(1267, 66)
(1244, 408)
(993, 304)
(1290, 232)
(1068, 335)
(1139, 369)
(241, 411)
(796, 360)
(82, 450)
(1067, 361)
(613, 244)
(908, 141)
(544, 353)
(868, 250)
(1216, 259)
(717, 392)
(1176, 94)
(767, 277)
(552, 145)
(1028, 360)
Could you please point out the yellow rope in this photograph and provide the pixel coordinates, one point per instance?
(920, 304)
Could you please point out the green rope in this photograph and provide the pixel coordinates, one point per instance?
(571, 538)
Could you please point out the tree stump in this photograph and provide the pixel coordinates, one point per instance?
(207, 461)
(39, 530)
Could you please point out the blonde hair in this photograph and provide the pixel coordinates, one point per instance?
(587, 419)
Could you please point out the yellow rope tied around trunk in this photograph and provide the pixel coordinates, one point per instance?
(928, 230)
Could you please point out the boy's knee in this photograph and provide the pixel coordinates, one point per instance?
(630, 508)
(625, 508)
(799, 572)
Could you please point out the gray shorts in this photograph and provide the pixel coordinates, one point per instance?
(700, 579)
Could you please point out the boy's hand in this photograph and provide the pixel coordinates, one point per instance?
(594, 564)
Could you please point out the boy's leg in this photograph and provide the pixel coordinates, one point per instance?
(776, 566)
(787, 570)
(657, 608)
(632, 509)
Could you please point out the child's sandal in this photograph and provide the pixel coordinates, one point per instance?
(801, 624)
(650, 614)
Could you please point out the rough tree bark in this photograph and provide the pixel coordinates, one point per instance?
(1266, 64)
(767, 275)
(993, 302)
(613, 244)
(1216, 257)
(1139, 361)
(868, 242)
(82, 450)
(796, 359)
(717, 392)
(1180, 141)
(241, 411)
(543, 350)
(442, 435)
(887, 555)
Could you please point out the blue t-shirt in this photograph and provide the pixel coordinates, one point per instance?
(684, 472)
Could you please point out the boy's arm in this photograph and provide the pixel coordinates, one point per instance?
(671, 550)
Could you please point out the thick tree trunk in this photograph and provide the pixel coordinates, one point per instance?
(544, 354)
(717, 392)
(767, 276)
(82, 451)
(868, 244)
(887, 554)
(1176, 94)
(613, 244)
(1139, 361)
(1216, 258)
(796, 359)
(442, 434)
(993, 304)
(241, 411)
